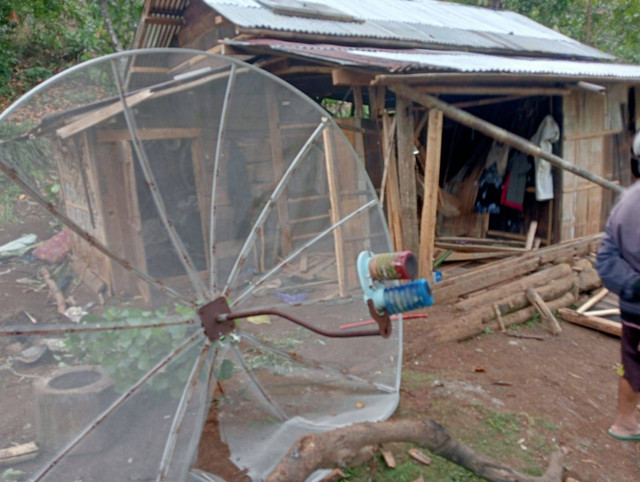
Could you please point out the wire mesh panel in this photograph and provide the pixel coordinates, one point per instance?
(139, 188)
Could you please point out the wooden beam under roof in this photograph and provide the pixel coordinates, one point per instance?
(475, 77)
(351, 77)
(492, 90)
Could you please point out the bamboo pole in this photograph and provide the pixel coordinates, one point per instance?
(501, 135)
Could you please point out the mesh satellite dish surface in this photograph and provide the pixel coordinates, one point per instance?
(223, 216)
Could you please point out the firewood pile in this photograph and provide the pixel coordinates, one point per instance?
(509, 291)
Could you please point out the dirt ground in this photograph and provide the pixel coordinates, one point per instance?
(562, 391)
(514, 399)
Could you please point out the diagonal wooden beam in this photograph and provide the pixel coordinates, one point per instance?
(501, 135)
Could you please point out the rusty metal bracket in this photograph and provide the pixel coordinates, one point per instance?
(383, 321)
(209, 314)
(217, 321)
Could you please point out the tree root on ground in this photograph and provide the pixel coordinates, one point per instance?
(355, 444)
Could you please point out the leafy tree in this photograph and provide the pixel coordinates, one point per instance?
(609, 25)
(41, 37)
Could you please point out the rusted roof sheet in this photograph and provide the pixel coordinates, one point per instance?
(422, 60)
(424, 22)
(161, 20)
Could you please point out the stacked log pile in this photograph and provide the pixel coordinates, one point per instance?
(512, 290)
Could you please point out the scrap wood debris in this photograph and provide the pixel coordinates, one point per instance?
(511, 291)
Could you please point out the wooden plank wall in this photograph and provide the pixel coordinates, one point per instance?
(589, 120)
(79, 187)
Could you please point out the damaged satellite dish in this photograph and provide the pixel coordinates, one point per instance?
(215, 216)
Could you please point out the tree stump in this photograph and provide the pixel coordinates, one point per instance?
(67, 402)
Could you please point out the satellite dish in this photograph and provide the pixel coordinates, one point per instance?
(218, 214)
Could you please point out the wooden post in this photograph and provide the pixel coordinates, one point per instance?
(358, 115)
(531, 234)
(430, 198)
(327, 137)
(391, 184)
(278, 167)
(501, 135)
(407, 174)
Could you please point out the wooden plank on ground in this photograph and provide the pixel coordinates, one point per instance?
(595, 322)
(593, 300)
(18, 453)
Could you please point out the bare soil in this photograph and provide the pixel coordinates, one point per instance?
(560, 391)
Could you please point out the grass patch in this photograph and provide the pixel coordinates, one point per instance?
(408, 470)
(414, 378)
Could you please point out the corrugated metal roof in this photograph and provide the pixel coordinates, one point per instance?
(417, 21)
(161, 21)
(422, 60)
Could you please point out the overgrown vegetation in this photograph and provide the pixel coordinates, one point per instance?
(608, 25)
(127, 355)
(39, 38)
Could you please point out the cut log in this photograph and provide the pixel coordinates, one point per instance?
(595, 322)
(589, 280)
(535, 280)
(339, 447)
(480, 278)
(544, 311)
(503, 270)
(475, 323)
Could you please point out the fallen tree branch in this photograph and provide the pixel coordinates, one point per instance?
(345, 446)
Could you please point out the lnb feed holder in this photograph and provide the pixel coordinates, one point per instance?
(384, 301)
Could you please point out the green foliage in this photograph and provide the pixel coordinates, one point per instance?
(41, 37)
(408, 470)
(127, 355)
(278, 364)
(609, 25)
(9, 193)
(32, 160)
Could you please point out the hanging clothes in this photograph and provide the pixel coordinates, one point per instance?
(498, 154)
(489, 190)
(547, 134)
(490, 183)
(515, 185)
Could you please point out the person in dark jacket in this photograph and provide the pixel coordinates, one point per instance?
(618, 264)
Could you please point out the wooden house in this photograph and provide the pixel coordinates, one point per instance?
(472, 123)
(387, 60)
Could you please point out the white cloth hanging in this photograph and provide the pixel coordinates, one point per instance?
(636, 144)
(548, 133)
